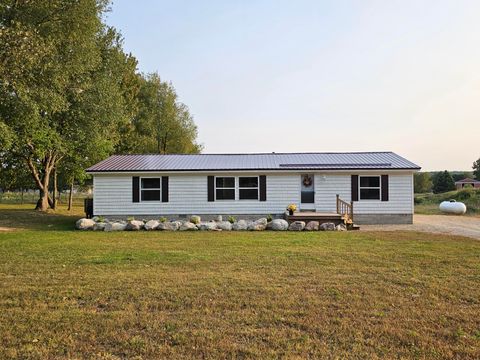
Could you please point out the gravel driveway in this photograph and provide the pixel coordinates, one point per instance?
(442, 224)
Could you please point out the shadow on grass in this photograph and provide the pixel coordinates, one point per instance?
(24, 217)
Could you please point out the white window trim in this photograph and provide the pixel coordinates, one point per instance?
(159, 189)
(249, 188)
(379, 187)
(237, 188)
(226, 188)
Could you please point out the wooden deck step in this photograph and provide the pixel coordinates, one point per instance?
(321, 217)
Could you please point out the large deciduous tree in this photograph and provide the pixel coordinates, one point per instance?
(64, 87)
(162, 124)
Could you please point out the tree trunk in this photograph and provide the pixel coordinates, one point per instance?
(42, 180)
(70, 196)
(22, 195)
(55, 189)
(42, 203)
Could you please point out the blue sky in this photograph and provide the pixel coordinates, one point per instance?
(262, 76)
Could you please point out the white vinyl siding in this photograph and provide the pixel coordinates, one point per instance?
(400, 194)
(188, 195)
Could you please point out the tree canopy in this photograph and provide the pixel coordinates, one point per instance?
(422, 182)
(443, 182)
(476, 169)
(70, 95)
(162, 124)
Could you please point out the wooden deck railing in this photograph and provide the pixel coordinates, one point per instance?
(345, 209)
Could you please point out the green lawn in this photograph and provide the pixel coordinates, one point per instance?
(71, 294)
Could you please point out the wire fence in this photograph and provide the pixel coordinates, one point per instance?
(32, 196)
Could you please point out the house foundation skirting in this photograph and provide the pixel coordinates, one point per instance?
(184, 217)
(374, 219)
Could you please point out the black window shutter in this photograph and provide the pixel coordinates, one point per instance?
(263, 188)
(354, 187)
(384, 187)
(164, 188)
(211, 188)
(135, 189)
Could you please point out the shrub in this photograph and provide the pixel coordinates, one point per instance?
(269, 218)
(162, 219)
(130, 218)
(417, 200)
(231, 219)
(465, 194)
(101, 219)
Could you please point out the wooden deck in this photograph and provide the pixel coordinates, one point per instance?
(321, 217)
(344, 214)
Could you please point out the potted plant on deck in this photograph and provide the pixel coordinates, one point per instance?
(291, 209)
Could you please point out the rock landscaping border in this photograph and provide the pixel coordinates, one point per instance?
(195, 223)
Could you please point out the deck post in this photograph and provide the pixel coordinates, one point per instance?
(351, 209)
(338, 210)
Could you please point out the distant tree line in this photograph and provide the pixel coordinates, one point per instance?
(443, 181)
(70, 96)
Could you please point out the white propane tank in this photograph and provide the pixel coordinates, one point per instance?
(453, 207)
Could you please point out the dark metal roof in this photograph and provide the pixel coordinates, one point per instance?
(265, 161)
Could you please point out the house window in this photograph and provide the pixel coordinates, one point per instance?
(369, 187)
(225, 188)
(248, 188)
(150, 189)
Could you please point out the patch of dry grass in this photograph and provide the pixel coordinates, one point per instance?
(68, 294)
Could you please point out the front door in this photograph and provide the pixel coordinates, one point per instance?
(307, 195)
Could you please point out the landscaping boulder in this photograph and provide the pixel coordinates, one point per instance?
(218, 218)
(188, 226)
(99, 226)
(278, 225)
(85, 224)
(224, 225)
(329, 226)
(195, 219)
(151, 225)
(341, 227)
(262, 221)
(134, 225)
(240, 225)
(258, 225)
(211, 225)
(115, 226)
(297, 226)
(169, 226)
(312, 226)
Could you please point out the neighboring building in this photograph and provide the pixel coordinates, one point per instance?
(379, 184)
(467, 182)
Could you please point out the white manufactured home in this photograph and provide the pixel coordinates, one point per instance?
(378, 185)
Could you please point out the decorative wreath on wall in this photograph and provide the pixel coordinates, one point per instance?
(307, 181)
